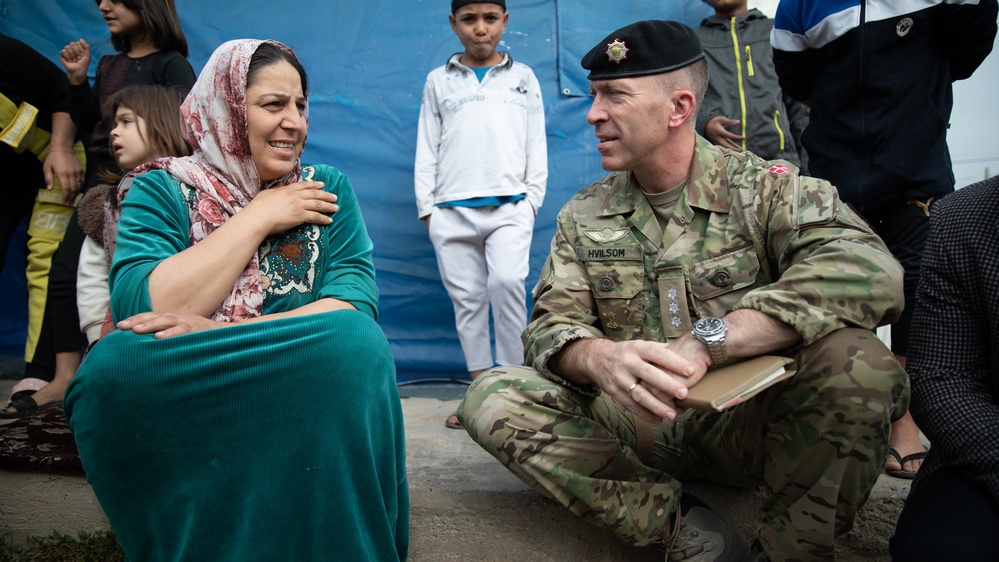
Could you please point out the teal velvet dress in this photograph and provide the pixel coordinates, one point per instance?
(276, 440)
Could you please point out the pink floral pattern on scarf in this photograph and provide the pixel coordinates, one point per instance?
(221, 168)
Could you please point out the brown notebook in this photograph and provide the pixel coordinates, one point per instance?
(731, 384)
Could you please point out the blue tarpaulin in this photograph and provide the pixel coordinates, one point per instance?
(367, 62)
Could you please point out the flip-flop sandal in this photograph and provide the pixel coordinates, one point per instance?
(907, 474)
(451, 424)
(23, 406)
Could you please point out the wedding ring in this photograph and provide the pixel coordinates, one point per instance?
(632, 387)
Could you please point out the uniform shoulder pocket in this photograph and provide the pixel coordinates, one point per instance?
(818, 204)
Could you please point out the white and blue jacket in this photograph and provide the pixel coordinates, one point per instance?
(878, 75)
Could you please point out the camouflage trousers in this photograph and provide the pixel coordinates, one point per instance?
(816, 443)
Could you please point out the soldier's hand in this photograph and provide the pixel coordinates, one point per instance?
(646, 377)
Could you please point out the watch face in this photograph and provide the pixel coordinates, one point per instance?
(709, 326)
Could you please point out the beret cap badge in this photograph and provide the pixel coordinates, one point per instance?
(617, 51)
(642, 49)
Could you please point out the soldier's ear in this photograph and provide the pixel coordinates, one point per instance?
(683, 103)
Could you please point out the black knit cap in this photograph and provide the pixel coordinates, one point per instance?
(643, 48)
(455, 4)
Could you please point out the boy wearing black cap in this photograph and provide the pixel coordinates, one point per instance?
(686, 256)
(480, 174)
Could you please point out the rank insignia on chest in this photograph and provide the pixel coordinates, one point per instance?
(611, 322)
(674, 311)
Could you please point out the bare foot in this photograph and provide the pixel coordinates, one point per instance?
(905, 440)
(67, 362)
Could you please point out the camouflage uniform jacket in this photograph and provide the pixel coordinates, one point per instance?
(745, 234)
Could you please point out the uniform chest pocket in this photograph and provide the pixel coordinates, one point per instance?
(617, 291)
(727, 276)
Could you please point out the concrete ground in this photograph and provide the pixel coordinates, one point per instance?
(464, 504)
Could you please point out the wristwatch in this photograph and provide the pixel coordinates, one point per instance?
(712, 332)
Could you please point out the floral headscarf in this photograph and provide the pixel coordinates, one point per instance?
(221, 168)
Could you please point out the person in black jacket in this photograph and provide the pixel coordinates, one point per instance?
(878, 76)
(35, 97)
(42, 164)
(952, 511)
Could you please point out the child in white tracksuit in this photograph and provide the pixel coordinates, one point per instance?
(481, 168)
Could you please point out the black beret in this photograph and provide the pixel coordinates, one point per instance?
(455, 4)
(643, 48)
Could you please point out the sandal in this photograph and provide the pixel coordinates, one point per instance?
(23, 406)
(456, 424)
(908, 474)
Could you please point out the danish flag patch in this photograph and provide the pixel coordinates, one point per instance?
(779, 169)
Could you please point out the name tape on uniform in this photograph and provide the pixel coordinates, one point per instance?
(610, 253)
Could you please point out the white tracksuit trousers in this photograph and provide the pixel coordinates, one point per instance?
(483, 255)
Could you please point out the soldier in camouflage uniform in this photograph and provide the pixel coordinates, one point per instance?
(684, 230)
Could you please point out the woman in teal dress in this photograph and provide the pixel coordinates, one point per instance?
(245, 408)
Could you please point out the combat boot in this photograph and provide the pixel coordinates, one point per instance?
(699, 535)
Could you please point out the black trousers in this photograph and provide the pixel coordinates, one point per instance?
(947, 517)
(17, 205)
(904, 230)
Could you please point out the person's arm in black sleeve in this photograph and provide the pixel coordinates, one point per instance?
(968, 34)
(84, 106)
(950, 370)
(84, 103)
(794, 59)
(795, 73)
